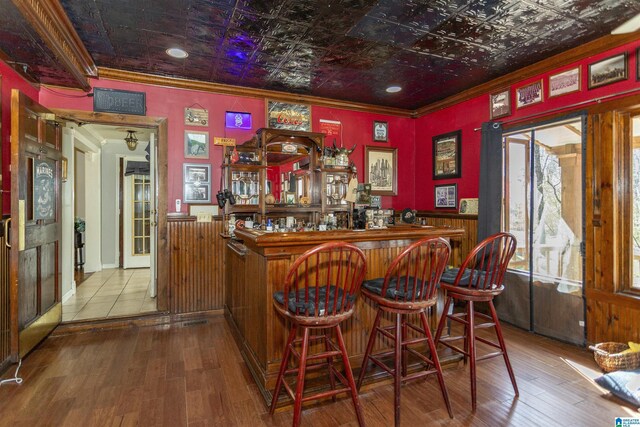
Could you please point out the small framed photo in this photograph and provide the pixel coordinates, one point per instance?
(380, 131)
(468, 207)
(607, 71)
(446, 196)
(564, 82)
(529, 94)
(381, 170)
(446, 155)
(196, 144)
(500, 104)
(196, 173)
(197, 193)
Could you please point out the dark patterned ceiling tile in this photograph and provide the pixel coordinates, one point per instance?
(385, 32)
(202, 12)
(251, 24)
(260, 7)
(486, 8)
(417, 14)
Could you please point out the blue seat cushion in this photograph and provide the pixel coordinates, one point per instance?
(393, 290)
(449, 276)
(624, 384)
(299, 306)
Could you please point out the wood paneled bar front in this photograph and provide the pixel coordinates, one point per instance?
(256, 266)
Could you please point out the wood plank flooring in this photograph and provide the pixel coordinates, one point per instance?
(194, 375)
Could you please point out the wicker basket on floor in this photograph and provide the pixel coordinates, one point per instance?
(609, 357)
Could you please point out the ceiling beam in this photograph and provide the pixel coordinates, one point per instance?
(49, 20)
(151, 79)
(552, 63)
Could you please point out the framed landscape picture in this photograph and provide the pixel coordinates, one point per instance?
(564, 82)
(529, 94)
(446, 196)
(196, 144)
(381, 172)
(446, 155)
(607, 71)
(500, 104)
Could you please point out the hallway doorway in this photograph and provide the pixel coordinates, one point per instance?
(114, 202)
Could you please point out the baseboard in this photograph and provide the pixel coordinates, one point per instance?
(69, 293)
(107, 266)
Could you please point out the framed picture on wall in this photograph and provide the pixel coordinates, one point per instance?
(529, 94)
(564, 82)
(381, 171)
(285, 115)
(380, 131)
(446, 155)
(196, 178)
(608, 70)
(500, 104)
(446, 196)
(196, 144)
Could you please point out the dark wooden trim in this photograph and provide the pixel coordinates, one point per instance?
(133, 77)
(180, 217)
(565, 58)
(444, 214)
(161, 124)
(51, 22)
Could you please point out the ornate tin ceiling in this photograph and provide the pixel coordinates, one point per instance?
(342, 49)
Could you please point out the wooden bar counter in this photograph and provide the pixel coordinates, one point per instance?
(256, 265)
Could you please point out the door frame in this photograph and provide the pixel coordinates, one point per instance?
(161, 124)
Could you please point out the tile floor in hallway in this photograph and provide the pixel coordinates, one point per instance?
(110, 293)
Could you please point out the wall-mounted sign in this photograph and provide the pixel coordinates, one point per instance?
(283, 115)
(236, 120)
(119, 101)
(196, 116)
(331, 128)
(224, 141)
(44, 190)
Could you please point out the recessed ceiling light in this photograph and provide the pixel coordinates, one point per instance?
(176, 52)
(394, 89)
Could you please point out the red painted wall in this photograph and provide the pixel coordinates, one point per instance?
(170, 103)
(9, 80)
(357, 128)
(470, 114)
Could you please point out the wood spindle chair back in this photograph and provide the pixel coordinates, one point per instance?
(325, 280)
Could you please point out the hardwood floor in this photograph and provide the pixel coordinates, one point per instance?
(194, 375)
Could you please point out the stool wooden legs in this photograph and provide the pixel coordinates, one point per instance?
(400, 353)
(469, 344)
(298, 395)
(512, 376)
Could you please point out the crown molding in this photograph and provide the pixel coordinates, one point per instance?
(554, 62)
(51, 22)
(152, 79)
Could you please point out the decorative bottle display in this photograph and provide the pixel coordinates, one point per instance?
(280, 179)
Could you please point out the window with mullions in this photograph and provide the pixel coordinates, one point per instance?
(141, 215)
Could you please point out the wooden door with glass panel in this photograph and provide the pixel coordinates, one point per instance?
(36, 223)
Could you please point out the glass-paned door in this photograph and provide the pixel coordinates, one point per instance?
(544, 210)
(141, 215)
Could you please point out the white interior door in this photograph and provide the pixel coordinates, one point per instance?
(136, 219)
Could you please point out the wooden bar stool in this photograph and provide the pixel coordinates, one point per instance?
(320, 292)
(409, 287)
(479, 279)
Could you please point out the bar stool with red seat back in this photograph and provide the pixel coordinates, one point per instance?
(479, 279)
(408, 287)
(320, 292)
